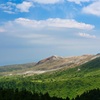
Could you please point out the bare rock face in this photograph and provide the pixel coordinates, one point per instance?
(52, 58)
(56, 62)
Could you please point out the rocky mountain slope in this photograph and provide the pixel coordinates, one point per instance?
(55, 62)
(49, 64)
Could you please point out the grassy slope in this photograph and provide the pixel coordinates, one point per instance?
(14, 68)
(71, 82)
(61, 83)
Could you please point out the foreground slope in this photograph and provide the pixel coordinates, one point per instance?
(73, 80)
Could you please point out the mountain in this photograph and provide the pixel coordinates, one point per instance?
(61, 76)
(52, 58)
(48, 64)
(15, 68)
(72, 81)
(55, 62)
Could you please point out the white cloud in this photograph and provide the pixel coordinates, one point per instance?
(9, 12)
(78, 1)
(44, 31)
(85, 35)
(24, 7)
(47, 1)
(13, 8)
(8, 7)
(27, 35)
(57, 22)
(93, 8)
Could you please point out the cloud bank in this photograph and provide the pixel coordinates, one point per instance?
(37, 31)
(56, 22)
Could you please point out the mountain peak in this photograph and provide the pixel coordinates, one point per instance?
(52, 58)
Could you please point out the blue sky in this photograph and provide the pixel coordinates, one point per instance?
(31, 30)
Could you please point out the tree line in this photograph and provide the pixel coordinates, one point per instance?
(11, 94)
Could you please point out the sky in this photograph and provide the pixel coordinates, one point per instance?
(31, 30)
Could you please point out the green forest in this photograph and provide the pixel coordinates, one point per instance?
(10, 94)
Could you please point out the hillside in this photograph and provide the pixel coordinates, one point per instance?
(4, 70)
(46, 65)
(73, 80)
(55, 62)
(68, 81)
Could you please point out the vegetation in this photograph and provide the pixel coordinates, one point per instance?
(60, 84)
(10, 94)
(89, 95)
(4, 70)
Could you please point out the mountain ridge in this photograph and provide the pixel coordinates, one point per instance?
(51, 63)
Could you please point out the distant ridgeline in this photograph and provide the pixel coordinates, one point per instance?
(10, 94)
(98, 54)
